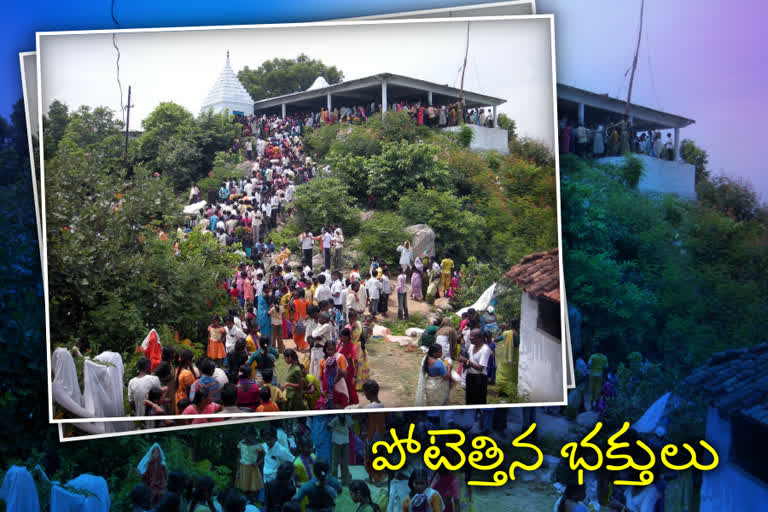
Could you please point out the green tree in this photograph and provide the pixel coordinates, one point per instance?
(733, 197)
(284, 76)
(54, 125)
(326, 200)
(507, 123)
(167, 120)
(402, 166)
(696, 156)
(458, 230)
(381, 234)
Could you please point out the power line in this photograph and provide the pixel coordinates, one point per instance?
(117, 60)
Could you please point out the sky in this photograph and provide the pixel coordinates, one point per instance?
(702, 59)
(181, 66)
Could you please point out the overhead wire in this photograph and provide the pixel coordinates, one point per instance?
(117, 60)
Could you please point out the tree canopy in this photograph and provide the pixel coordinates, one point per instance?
(284, 76)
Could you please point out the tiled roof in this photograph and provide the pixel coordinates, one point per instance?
(538, 274)
(735, 381)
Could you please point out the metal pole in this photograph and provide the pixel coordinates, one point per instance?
(634, 62)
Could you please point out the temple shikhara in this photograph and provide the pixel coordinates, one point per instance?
(229, 94)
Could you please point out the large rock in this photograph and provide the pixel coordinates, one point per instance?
(443, 304)
(366, 215)
(422, 241)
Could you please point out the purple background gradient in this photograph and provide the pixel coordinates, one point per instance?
(702, 59)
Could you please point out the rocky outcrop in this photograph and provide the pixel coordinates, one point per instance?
(422, 241)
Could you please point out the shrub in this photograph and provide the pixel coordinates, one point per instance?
(318, 141)
(382, 234)
(326, 201)
(631, 172)
(465, 136)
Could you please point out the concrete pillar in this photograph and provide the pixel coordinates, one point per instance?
(283, 107)
(581, 113)
(429, 98)
(677, 144)
(328, 105)
(383, 97)
(495, 122)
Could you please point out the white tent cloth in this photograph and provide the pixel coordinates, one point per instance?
(653, 416)
(195, 207)
(97, 486)
(65, 386)
(482, 302)
(19, 491)
(144, 463)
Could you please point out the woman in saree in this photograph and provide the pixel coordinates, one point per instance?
(434, 386)
(351, 352)
(361, 369)
(417, 282)
(262, 315)
(333, 370)
(285, 300)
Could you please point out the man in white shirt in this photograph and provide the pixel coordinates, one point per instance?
(322, 292)
(274, 454)
(139, 387)
(307, 242)
(356, 298)
(327, 238)
(373, 287)
(234, 333)
(248, 188)
(386, 291)
(258, 283)
(337, 289)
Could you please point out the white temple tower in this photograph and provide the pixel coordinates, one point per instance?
(229, 94)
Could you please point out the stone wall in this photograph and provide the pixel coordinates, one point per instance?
(486, 139)
(662, 175)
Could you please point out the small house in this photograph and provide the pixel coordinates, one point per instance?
(540, 366)
(735, 383)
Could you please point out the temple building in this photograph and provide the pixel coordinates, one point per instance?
(228, 94)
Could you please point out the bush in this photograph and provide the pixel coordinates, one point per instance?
(631, 172)
(458, 231)
(531, 150)
(317, 141)
(355, 141)
(465, 136)
(326, 201)
(382, 234)
(394, 127)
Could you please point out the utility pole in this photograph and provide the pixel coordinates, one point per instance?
(634, 62)
(461, 89)
(127, 122)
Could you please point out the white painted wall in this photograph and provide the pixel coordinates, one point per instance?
(662, 175)
(728, 487)
(540, 366)
(486, 139)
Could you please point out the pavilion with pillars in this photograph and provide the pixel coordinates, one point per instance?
(382, 89)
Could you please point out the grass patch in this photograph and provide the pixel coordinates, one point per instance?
(398, 327)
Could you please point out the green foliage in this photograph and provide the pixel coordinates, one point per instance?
(54, 126)
(696, 156)
(465, 136)
(381, 234)
(458, 230)
(631, 171)
(395, 127)
(658, 272)
(283, 76)
(288, 235)
(111, 276)
(731, 196)
(477, 277)
(402, 166)
(182, 147)
(318, 140)
(353, 171)
(326, 201)
(507, 123)
(355, 141)
(532, 151)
